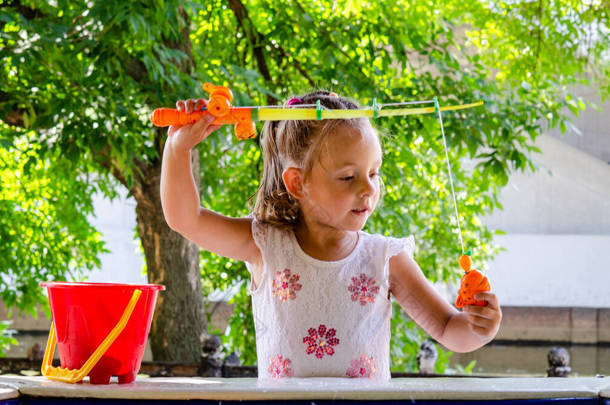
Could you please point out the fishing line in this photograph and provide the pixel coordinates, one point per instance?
(457, 215)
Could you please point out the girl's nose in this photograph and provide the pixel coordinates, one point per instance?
(367, 187)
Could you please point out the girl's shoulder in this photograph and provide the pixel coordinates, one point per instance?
(259, 229)
(390, 245)
(265, 233)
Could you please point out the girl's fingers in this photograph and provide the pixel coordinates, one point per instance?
(190, 105)
(206, 132)
(194, 133)
(483, 332)
(201, 126)
(211, 129)
(481, 322)
(491, 298)
(484, 312)
(200, 104)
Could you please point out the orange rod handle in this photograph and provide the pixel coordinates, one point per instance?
(164, 117)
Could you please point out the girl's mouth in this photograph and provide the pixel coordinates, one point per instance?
(362, 211)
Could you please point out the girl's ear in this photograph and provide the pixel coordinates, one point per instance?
(293, 180)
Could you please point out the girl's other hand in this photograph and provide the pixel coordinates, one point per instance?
(184, 138)
(484, 321)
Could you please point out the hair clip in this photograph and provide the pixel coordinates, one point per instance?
(295, 100)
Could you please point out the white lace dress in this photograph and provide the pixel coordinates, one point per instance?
(316, 318)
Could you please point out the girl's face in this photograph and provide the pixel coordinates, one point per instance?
(342, 189)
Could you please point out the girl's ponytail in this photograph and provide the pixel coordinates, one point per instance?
(274, 205)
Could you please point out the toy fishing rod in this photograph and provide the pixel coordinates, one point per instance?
(244, 118)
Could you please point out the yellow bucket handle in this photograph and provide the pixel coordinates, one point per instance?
(74, 376)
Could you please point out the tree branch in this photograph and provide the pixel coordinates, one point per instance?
(256, 38)
(537, 61)
(14, 115)
(297, 66)
(324, 32)
(27, 12)
(326, 35)
(102, 158)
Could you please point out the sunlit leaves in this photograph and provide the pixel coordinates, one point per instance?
(44, 228)
(5, 337)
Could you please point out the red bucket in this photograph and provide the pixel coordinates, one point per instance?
(85, 313)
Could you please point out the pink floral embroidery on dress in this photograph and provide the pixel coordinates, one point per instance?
(285, 285)
(363, 289)
(279, 367)
(362, 367)
(320, 341)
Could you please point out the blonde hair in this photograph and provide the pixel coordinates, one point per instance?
(297, 144)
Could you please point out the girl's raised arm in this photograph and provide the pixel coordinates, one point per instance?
(225, 236)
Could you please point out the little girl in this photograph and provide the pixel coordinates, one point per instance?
(320, 286)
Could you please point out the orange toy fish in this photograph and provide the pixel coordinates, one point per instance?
(472, 282)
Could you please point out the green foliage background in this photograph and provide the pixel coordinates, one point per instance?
(79, 79)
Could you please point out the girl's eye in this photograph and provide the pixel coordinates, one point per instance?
(346, 178)
(374, 174)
